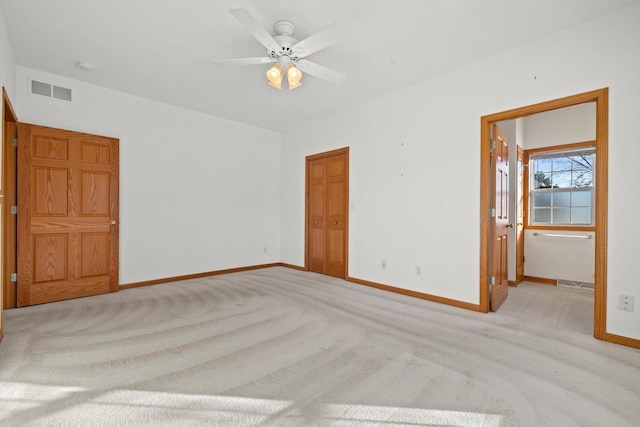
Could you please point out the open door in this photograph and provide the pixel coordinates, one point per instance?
(67, 214)
(499, 281)
(520, 216)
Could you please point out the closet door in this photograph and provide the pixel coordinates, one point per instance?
(317, 214)
(327, 220)
(336, 230)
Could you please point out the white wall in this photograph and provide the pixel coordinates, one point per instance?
(197, 193)
(560, 258)
(564, 126)
(551, 257)
(7, 61)
(418, 203)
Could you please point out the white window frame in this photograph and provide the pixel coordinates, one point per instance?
(541, 155)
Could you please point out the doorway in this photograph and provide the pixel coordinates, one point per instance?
(600, 97)
(553, 153)
(327, 216)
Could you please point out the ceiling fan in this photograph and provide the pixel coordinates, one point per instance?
(287, 52)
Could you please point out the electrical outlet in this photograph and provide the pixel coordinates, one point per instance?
(265, 249)
(418, 272)
(383, 264)
(625, 302)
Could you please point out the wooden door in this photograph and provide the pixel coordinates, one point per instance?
(67, 214)
(520, 217)
(336, 215)
(500, 165)
(327, 199)
(317, 214)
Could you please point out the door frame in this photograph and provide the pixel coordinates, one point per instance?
(9, 177)
(309, 159)
(601, 98)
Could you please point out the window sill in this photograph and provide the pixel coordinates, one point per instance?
(561, 227)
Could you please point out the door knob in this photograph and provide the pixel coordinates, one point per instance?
(113, 222)
(509, 225)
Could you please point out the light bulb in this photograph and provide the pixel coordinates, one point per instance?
(274, 75)
(293, 76)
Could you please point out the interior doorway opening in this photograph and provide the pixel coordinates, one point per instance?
(551, 207)
(600, 98)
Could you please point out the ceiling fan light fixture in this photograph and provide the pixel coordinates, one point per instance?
(274, 75)
(287, 51)
(294, 85)
(293, 76)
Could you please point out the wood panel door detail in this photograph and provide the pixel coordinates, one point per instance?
(520, 216)
(317, 213)
(500, 164)
(67, 214)
(327, 216)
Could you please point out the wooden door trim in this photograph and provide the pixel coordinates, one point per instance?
(326, 154)
(601, 98)
(9, 171)
(308, 159)
(11, 115)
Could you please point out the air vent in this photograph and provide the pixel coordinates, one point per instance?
(50, 91)
(575, 284)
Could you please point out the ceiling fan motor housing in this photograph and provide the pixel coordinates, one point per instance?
(285, 41)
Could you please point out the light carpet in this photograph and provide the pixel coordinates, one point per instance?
(289, 348)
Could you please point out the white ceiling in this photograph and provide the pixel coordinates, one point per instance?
(162, 49)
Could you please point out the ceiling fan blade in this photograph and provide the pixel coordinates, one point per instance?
(318, 41)
(320, 71)
(251, 24)
(243, 61)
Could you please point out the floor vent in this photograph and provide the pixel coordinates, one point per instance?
(50, 91)
(575, 284)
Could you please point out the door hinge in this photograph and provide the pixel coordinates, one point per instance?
(14, 142)
(492, 213)
(14, 210)
(522, 258)
(14, 277)
(493, 143)
(492, 280)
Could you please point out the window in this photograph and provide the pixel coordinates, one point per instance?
(562, 187)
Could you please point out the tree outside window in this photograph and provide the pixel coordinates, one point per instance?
(562, 188)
